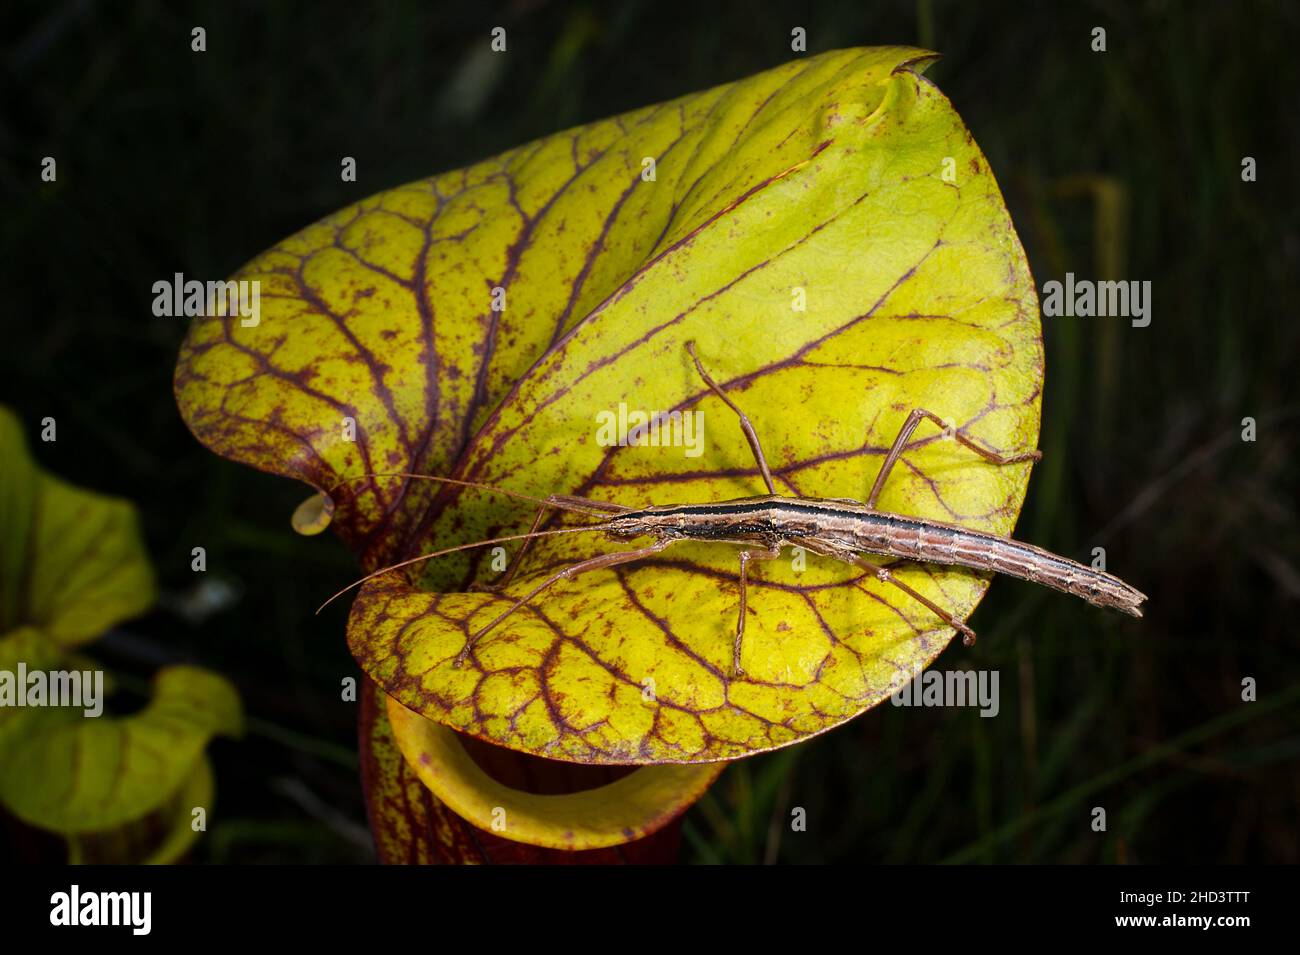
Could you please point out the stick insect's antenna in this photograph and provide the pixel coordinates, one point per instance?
(566, 503)
(578, 505)
(452, 550)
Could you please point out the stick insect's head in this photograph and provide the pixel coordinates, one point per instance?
(649, 522)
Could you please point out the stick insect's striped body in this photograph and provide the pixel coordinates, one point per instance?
(841, 529)
(850, 527)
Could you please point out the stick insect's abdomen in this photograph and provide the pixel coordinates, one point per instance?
(938, 543)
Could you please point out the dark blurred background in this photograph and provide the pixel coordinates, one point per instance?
(1124, 164)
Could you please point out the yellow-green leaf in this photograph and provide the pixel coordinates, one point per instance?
(917, 295)
(161, 837)
(831, 237)
(93, 775)
(631, 807)
(413, 825)
(29, 647)
(383, 312)
(72, 563)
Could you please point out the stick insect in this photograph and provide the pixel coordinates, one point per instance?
(841, 529)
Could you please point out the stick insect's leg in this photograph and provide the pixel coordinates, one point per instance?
(563, 501)
(882, 573)
(745, 426)
(595, 563)
(745, 557)
(904, 433)
(504, 582)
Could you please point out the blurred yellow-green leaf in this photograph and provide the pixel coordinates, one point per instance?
(91, 775)
(72, 565)
(29, 647)
(72, 562)
(161, 837)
